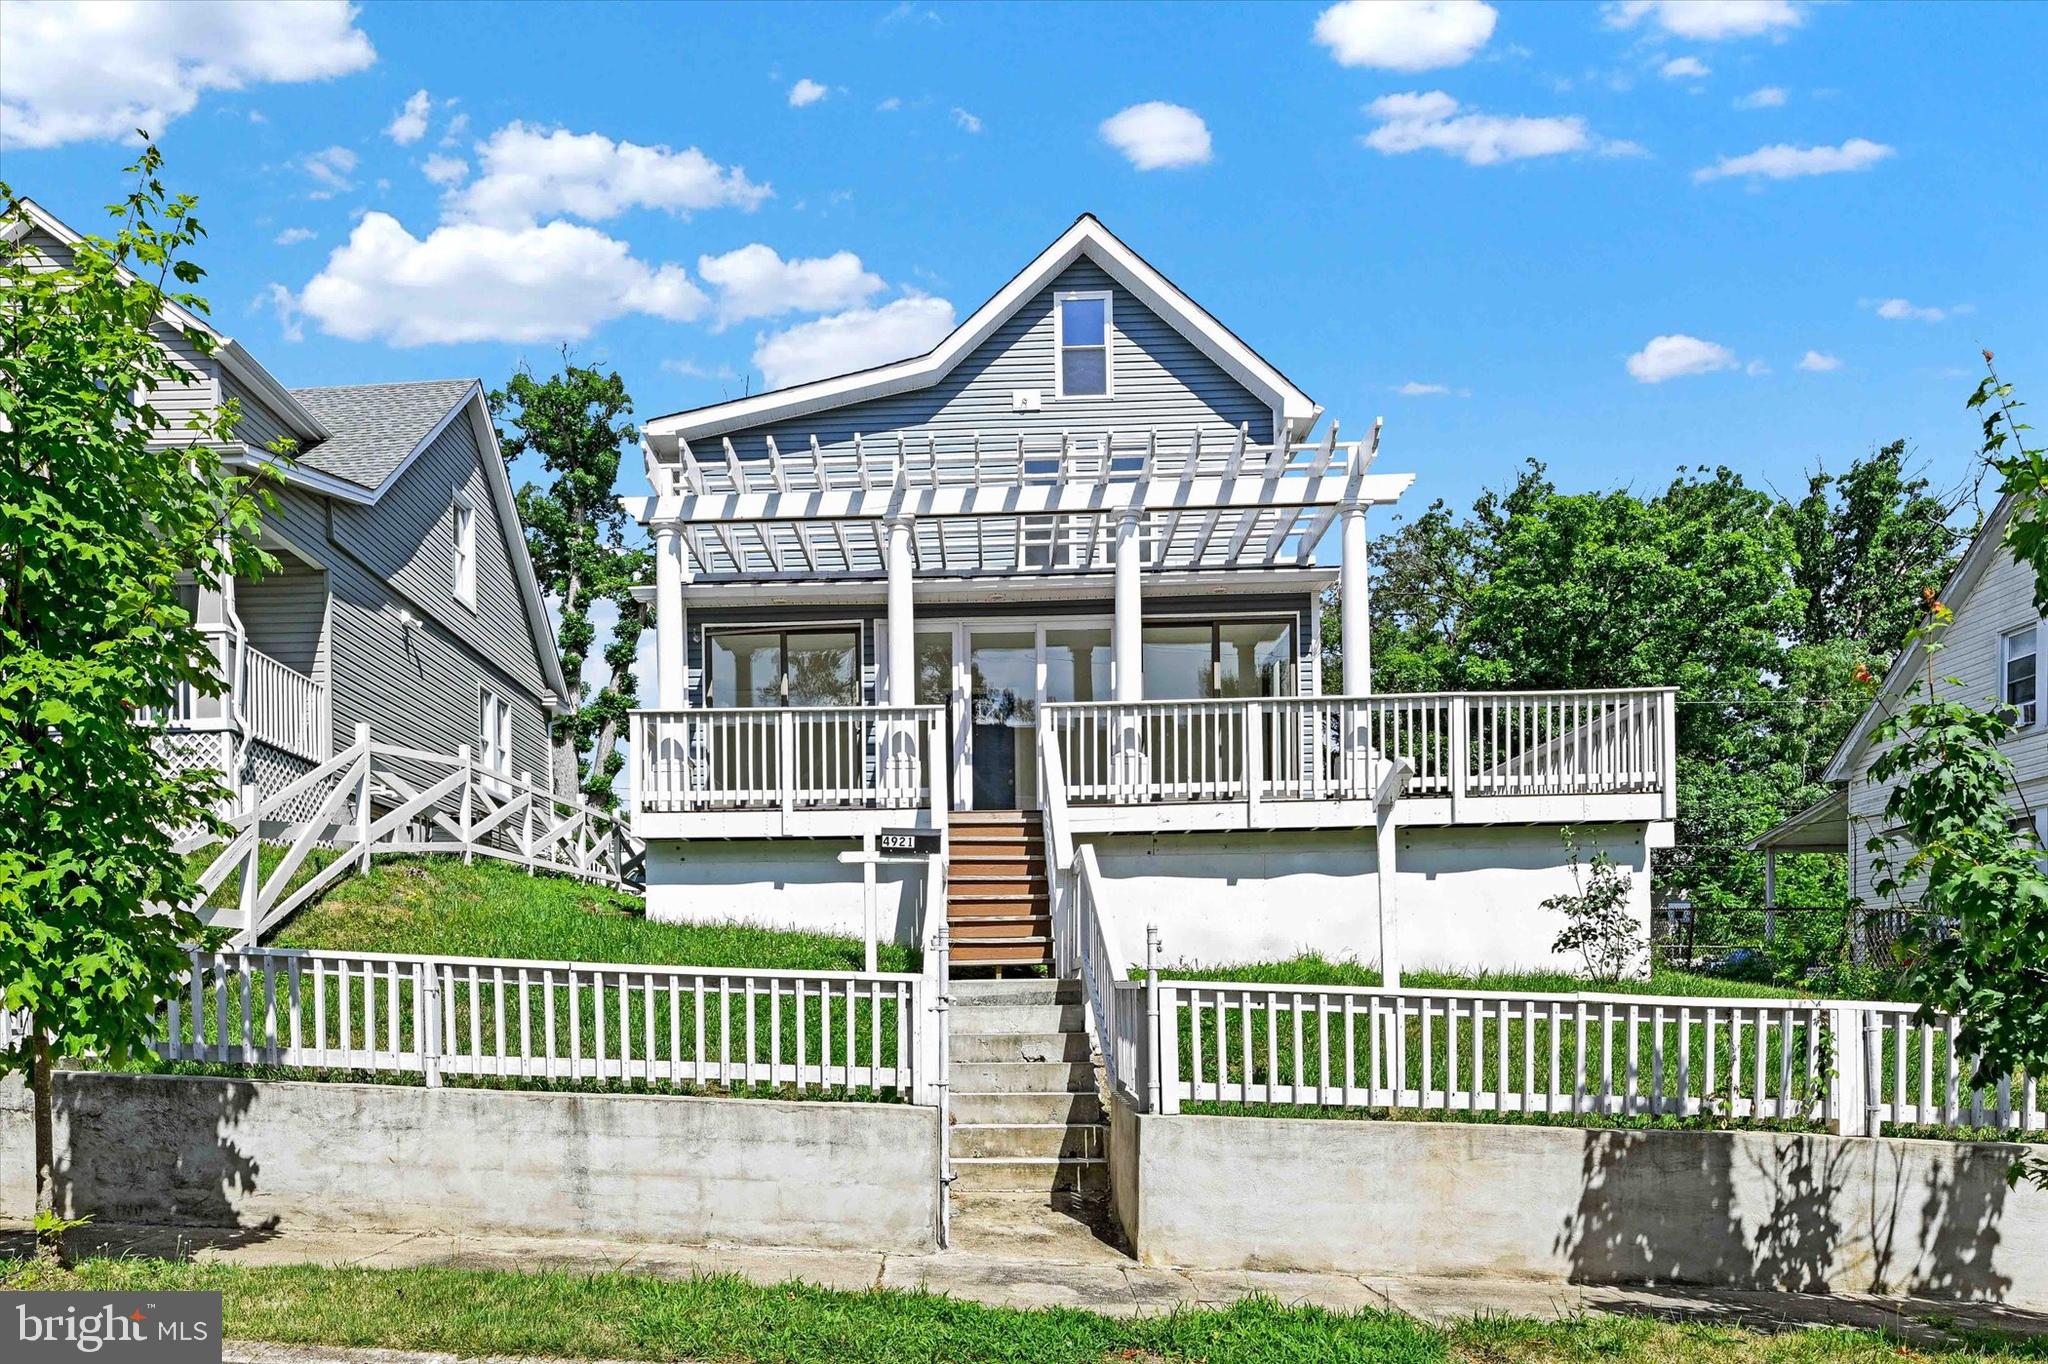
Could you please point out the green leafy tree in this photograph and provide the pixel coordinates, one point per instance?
(103, 505)
(576, 422)
(1979, 950)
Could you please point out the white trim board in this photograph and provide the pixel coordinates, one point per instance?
(1087, 237)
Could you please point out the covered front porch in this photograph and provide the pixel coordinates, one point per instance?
(268, 637)
(878, 637)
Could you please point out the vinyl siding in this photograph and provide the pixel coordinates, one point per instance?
(258, 425)
(2001, 601)
(285, 613)
(408, 539)
(1162, 382)
(416, 687)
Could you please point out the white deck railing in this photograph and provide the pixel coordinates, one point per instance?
(283, 707)
(374, 800)
(1460, 745)
(725, 1027)
(1853, 1064)
(787, 758)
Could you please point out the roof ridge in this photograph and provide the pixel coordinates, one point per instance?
(383, 383)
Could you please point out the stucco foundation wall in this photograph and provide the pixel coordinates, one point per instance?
(1736, 1209)
(190, 1151)
(1469, 896)
(781, 883)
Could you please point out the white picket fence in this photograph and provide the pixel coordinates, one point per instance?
(375, 799)
(1852, 1064)
(796, 1032)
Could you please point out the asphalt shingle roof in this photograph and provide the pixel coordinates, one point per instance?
(375, 426)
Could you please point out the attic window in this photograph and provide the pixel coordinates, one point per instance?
(1081, 331)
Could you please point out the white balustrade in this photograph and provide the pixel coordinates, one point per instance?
(283, 707)
(732, 1028)
(792, 758)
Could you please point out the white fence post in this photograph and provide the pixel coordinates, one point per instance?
(1849, 1085)
(941, 1081)
(363, 795)
(252, 866)
(526, 820)
(463, 819)
(1460, 756)
(427, 1021)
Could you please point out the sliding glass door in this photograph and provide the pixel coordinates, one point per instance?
(806, 666)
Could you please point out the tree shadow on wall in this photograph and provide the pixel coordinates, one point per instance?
(157, 1152)
(1790, 1214)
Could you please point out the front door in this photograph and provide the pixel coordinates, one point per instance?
(1002, 669)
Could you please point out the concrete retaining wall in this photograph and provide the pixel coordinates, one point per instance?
(177, 1150)
(1734, 1209)
(1470, 896)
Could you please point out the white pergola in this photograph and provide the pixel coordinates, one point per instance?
(1014, 506)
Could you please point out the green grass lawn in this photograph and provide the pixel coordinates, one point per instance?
(436, 906)
(1315, 969)
(617, 1316)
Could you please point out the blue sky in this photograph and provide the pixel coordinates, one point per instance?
(1496, 209)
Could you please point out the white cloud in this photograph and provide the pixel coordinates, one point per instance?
(1782, 161)
(1414, 122)
(285, 307)
(528, 174)
(1158, 136)
(755, 282)
(690, 369)
(889, 105)
(479, 282)
(292, 236)
(1819, 362)
(1709, 20)
(456, 129)
(966, 122)
(1684, 69)
(411, 123)
(1405, 35)
(89, 70)
(330, 169)
(1756, 367)
(444, 170)
(1669, 357)
(1899, 310)
(853, 340)
(806, 91)
(1767, 97)
(1412, 389)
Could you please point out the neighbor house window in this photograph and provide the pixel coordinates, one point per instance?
(494, 737)
(1081, 330)
(465, 550)
(2020, 674)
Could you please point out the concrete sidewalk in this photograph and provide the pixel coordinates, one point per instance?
(1026, 1262)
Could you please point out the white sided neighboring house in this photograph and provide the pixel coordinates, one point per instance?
(403, 597)
(1992, 653)
(1052, 592)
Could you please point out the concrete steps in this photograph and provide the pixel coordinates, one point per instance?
(998, 906)
(1026, 1112)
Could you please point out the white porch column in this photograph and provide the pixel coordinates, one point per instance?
(1127, 648)
(1127, 639)
(1354, 603)
(902, 625)
(900, 741)
(671, 630)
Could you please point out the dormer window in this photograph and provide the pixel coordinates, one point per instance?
(465, 550)
(1081, 330)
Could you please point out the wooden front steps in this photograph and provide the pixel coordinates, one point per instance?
(998, 906)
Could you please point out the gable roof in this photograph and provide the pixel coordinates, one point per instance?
(377, 428)
(1990, 538)
(1087, 237)
(228, 351)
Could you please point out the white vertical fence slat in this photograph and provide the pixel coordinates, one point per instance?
(777, 757)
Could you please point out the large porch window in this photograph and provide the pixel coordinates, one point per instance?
(1207, 660)
(761, 667)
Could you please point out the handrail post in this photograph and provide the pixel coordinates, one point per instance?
(1152, 1034)
(1461, 750)
(1254, 764)
(785, 762)
(1668, 708)
(941, 1080)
